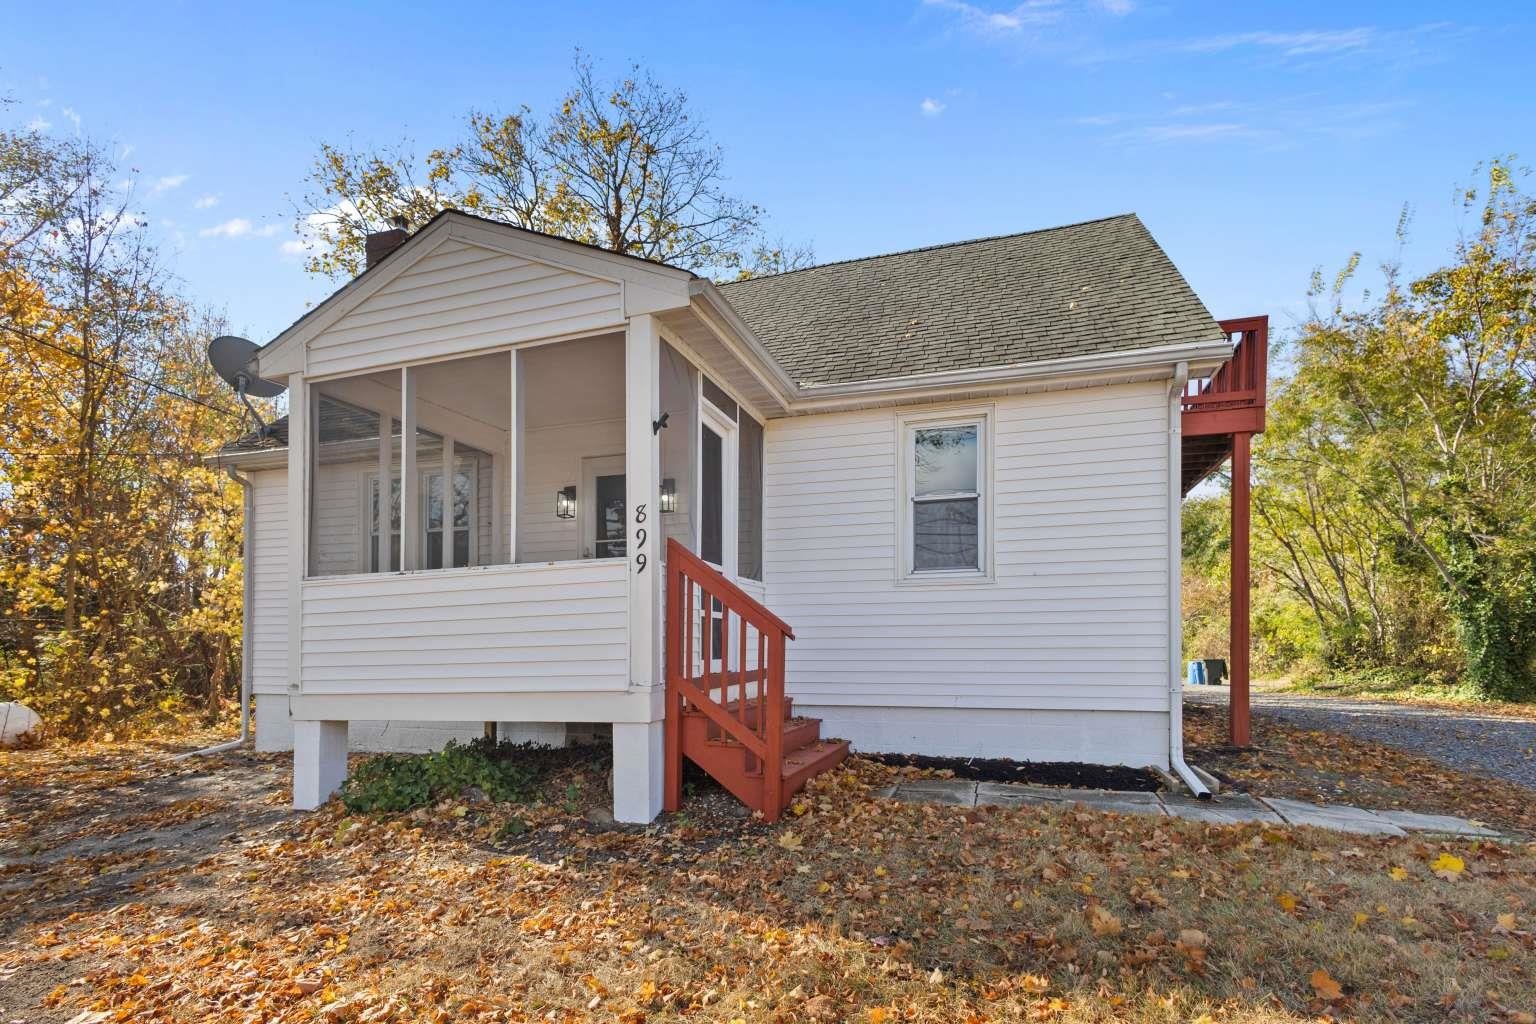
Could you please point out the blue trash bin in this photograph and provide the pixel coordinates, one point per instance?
(1196, 675)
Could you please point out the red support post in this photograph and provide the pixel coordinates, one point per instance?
(1237, 710)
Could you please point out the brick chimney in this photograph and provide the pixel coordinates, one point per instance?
(379, 244)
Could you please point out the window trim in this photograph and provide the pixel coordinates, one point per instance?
(907, 425)
(471, 466)
(719, 424)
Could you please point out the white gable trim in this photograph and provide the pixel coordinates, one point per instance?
(643, 287)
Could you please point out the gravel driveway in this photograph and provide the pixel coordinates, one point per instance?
(1493, 745)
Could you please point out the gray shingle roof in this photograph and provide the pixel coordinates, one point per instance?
(1083, 289)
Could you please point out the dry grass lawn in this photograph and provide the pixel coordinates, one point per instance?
(853, 909)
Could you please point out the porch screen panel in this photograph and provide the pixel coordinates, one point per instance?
(345, 477)
(749, 492)
(679, 392)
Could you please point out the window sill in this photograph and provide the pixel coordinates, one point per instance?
(947, 578)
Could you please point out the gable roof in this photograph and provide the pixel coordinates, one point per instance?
(1084, 289)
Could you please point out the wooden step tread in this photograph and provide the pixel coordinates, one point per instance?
(798, 732)
(817, 756)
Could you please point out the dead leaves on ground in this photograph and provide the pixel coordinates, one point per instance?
(860, 910)
(1335, 767)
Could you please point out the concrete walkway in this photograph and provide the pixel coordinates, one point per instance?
(1223, 809)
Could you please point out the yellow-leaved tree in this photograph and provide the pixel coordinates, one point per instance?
(119, 547)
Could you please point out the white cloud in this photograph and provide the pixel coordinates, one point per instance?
(39, 124)
(1289, 44)
(296, 247)
(163, 185)
(1000, 23)
(235, 227)
(1192, 132)
(74, 118)
(931, 107)
(240, 227)
(207, 202)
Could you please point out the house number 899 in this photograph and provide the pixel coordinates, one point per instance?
(640, 535)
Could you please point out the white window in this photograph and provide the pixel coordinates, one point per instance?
(945, 520)
(461, 531)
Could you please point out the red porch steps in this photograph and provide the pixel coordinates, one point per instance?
(726, 710)
(741, 772)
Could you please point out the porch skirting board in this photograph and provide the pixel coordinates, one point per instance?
(1134, 738)
(274, 731)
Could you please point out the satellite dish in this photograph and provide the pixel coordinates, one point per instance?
(231, 358)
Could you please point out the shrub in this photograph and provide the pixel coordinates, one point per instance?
(401, 782)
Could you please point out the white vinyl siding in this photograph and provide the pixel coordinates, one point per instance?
(505, 628)
(463, 298)
(269, 572)
(1076, 617)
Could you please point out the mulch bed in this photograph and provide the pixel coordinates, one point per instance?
(1070, 774)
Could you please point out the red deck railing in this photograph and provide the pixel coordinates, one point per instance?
(725, 659)
(1231, 399)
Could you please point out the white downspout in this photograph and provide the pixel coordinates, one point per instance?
(1175, 584)
(248, 582)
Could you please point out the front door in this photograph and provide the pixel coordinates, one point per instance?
(603, 518)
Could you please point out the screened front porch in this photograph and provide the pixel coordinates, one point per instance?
(471, 524)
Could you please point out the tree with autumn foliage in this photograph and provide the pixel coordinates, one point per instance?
(120, 579)
(623, 165)
(1395, 492)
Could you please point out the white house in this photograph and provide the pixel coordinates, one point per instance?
(926, 502)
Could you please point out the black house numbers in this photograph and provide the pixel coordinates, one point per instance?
(640, 537)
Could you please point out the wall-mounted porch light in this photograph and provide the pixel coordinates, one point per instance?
(565, 502)
(669, 495)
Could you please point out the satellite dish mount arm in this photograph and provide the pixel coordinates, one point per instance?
(241, 381)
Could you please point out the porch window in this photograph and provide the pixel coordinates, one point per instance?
(945, 521)
(394, 525)
(463, 524)
(456, 530)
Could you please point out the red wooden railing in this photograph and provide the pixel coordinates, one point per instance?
(725, 659)
(1239, 382)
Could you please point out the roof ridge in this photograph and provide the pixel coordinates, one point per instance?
(934, 246)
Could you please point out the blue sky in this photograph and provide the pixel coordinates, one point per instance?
(1257, 141)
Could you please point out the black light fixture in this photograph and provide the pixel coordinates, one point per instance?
(565, 502)
(669, 495)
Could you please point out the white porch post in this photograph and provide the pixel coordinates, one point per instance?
(410, 484)
(386, 486)
(637, 747)
(512, 481)
(319, 748)
(448, 496)
(299, 442)
(319, 762)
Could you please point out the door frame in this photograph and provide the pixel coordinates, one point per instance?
(592, 467)
(725, 428)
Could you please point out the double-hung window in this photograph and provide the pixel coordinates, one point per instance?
(459, 526)
(945, 521)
